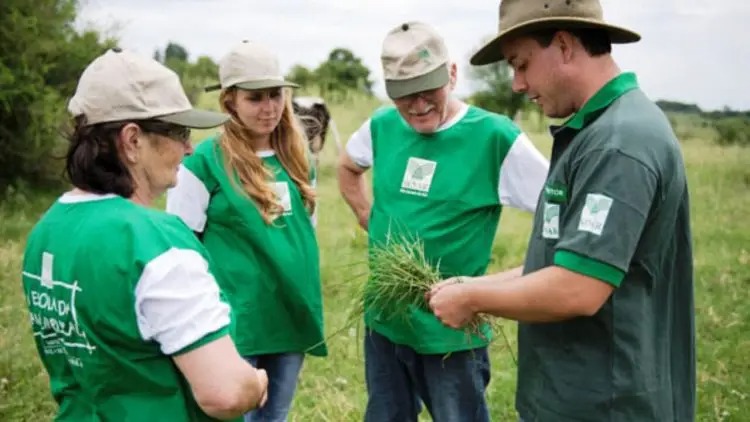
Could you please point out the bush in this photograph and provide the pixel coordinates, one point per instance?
(41, 58)
(733, 131)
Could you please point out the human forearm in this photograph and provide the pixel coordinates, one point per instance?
(225, 385)
(499, 277)
(243, 393)
(353, 189)
(547, 295)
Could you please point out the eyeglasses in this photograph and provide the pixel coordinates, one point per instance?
(170, 130)
(429, 95)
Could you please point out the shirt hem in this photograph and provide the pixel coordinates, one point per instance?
(203, 340)
(432, 349)
(318, 349)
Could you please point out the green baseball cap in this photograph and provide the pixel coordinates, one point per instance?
(414, 59)
(250, 65)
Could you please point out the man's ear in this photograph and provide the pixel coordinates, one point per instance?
(565, 42)
(128, 142)
(453, 72)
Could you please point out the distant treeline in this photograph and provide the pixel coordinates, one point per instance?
(731, 127)
(678, 107)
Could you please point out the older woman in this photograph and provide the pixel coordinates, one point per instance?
(127, 317)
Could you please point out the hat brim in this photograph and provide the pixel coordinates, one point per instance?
(259, 84)
(397, 88)
(196, 119)
(491, 52)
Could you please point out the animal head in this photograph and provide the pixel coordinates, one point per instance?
(315, 118)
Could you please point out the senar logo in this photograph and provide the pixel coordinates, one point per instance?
(594, 214)
(418, 176)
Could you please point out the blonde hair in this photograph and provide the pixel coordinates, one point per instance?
(240, 158)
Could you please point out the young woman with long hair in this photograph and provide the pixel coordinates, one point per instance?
(248, 192)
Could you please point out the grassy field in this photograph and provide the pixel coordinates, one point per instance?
(332, 389)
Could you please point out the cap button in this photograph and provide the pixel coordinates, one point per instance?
(117, 49)
(405, 27)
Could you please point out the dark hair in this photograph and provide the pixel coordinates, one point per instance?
(595, 41)
(93, 161)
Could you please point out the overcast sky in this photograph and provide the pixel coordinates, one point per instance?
(691, 51)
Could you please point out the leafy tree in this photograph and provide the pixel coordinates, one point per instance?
(194, 76)
(301, 75)
(342, 72)
(494, 89)
(41, 59)
(176, 52)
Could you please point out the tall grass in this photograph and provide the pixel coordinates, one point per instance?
(333, 388)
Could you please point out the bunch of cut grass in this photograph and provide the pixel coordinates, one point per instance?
(400, 277)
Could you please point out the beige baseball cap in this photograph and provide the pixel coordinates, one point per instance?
(414, 59)
(122, 85)
(250, 65)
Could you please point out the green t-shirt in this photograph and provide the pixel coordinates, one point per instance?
(448, 189)
(615, 208)
(114, 290)
(270, 273)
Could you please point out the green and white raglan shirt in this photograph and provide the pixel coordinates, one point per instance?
(447, 188)
(270, 273)
(114, 290)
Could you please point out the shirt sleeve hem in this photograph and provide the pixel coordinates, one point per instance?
(590, 267)
(203, 341)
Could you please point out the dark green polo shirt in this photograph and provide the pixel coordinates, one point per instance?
(615, 208)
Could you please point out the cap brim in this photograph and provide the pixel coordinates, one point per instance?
(397, 88)
(259, 84)
(491, 52)
(196, 119)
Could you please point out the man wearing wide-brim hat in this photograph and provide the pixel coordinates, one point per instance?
(604, 299)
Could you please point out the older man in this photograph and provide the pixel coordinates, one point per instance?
(443, 170)
(605, 302)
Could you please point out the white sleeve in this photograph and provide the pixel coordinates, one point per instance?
(189, 199)
(177, 301)
(522, 175)
(359, 146)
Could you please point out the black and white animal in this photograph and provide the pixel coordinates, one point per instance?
(316, 120)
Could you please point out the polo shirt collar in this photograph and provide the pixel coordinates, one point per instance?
(606, 95)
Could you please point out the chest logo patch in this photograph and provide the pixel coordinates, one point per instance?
(594, 214)
(282, 192)
(418, 176)
(551, 226)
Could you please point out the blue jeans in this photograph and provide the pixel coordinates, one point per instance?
(283, 370)
(452, 388)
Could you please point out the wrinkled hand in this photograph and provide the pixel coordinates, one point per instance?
(448, 301)
(437, 286)
(263, 382)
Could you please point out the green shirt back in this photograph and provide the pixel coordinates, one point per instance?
(615, 208)
(270, 273)
(93, 272)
